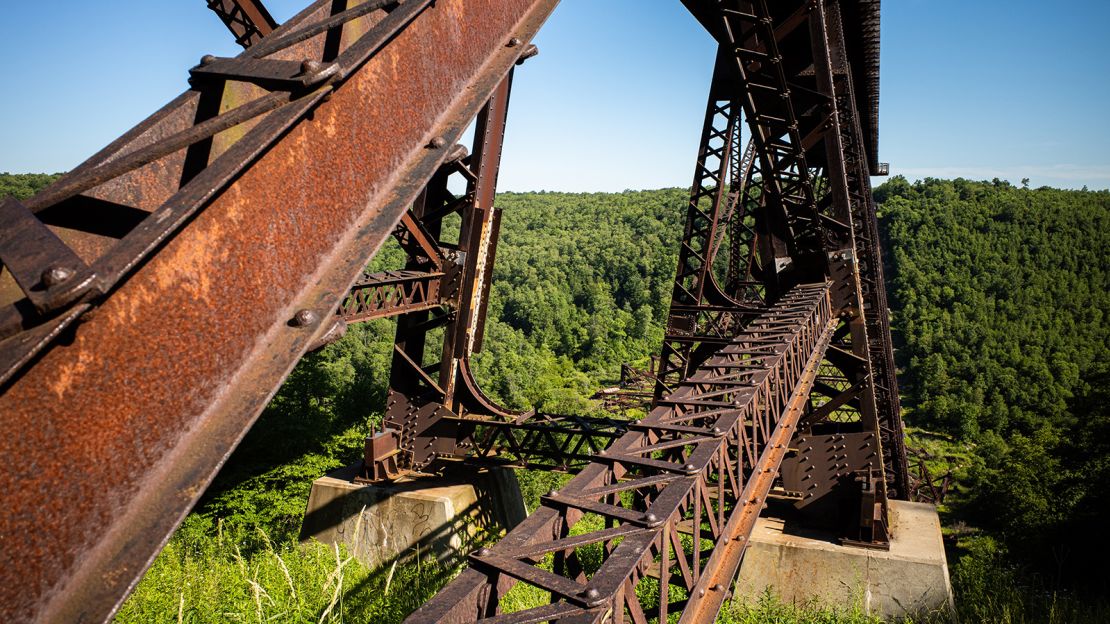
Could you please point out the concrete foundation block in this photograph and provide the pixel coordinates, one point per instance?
(426, 516)
(803, 567)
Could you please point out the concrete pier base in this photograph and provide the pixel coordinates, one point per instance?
(425, 516)
(811, 567)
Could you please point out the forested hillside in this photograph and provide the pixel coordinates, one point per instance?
(999, 301)
(24, 185)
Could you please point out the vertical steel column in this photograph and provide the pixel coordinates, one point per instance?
(690, 317)
(869, 268)
(422, 395)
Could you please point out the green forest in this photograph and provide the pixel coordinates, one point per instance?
(999, 305)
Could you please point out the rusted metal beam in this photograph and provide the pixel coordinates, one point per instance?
(382, 295)
(273, 222)
(248, 20)
(560, 443)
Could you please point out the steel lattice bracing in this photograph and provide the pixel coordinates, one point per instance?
(697, 469)
(153, 299)
(248, 20)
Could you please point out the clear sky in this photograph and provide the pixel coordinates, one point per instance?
(972, 88)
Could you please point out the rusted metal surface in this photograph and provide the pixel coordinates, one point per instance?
(696, 470)
(635, 390)
(700, 313)
(149, 394)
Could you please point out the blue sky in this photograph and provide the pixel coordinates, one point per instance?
(973, 88)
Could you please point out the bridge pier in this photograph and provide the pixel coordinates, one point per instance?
(803, 565)
(427, 515)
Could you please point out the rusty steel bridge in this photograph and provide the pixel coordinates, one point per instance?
(153, 299)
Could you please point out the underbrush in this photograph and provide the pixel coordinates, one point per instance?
(989, 587)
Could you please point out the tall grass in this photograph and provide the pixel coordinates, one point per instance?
(214, 580)
(990, 588)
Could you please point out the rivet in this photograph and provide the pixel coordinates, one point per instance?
(55, 275)
(592, 593)
(718, 587)
(457, 153)
(528, 53)
(309, 66)
(207, 59)
(303, 318)
(514, 42)
(650, 518)
(437, 143)
(483, 552)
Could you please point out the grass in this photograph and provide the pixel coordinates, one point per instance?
(769, 609)
(214, 581)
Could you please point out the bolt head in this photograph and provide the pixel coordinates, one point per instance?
(55, 275)
(310, 66)
(458, 153)
(528, 53)
(303, 318)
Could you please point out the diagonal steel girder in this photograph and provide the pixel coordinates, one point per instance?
(169, 367)
(700, 465)
(248, 20)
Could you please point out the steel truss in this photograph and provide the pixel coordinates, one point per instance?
(678, 494)
(261, 194)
